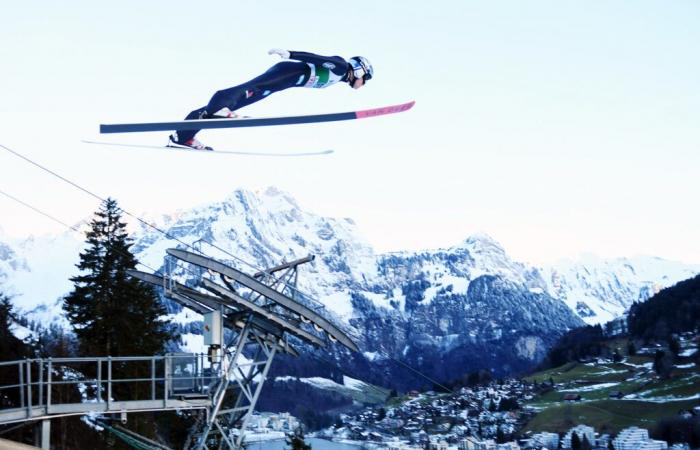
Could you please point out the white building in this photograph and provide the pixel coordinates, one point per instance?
(441, 445)
(581, 431)
(508, 446)
(550, 441)
(398, 445)
(679, 447)
(654, 445)
(631, 438)
(472, 443)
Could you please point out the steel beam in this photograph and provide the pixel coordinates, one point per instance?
(255, 285)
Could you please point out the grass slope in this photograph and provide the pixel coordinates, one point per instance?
(647, 397)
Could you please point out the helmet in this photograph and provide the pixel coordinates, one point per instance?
(361, 67)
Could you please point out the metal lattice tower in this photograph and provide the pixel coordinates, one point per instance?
(264, 313)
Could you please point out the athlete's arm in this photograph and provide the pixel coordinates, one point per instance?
(339, 64)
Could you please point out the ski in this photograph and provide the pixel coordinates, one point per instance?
(229, 152)
(250, 122)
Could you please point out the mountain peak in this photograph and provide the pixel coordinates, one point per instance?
(481, 243)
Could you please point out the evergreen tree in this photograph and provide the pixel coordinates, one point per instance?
(11, 349)
(674, 345)
(575, 442)
(617, 357)
(663, 364)
(296, 441)
(500, 436)
(111, 313)
(508, 404)
(585, 443)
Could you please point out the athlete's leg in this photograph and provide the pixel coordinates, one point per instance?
(281, 76)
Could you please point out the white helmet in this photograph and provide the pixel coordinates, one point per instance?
(361, 67)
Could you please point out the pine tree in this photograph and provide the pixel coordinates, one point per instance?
(500, 436)
(111, 313)
(575, 442)
(296, 441)
(674, 345)
(11, 349)
(585, 443)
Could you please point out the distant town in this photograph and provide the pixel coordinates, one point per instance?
(491, 416)
(471, 419)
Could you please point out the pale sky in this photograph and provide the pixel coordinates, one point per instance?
(557, 127)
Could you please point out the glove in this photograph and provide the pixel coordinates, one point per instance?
(284, 54)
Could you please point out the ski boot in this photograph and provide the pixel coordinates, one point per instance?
(193, 143)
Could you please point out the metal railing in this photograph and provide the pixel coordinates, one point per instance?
(40, 387)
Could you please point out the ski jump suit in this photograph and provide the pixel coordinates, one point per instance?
(308, 70)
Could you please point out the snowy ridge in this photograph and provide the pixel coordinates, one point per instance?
(600, 290)
(267, 227)
(36, 273)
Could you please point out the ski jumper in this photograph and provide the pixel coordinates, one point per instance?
(308, 70)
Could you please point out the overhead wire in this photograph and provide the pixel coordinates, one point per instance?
(134, 216)
(189, 246)
(12, 197)
(313, 355)
(71, 227)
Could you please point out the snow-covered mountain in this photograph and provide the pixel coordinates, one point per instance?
(599, 290)
(36, 272)
(444, 311)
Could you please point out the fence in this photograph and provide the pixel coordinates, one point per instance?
(43, 387)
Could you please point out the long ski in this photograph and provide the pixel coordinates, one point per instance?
(258, 122)
(230, 152)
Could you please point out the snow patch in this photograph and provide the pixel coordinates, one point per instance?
(354, 384)
(20, 332)
(593, 387)
(340, 303)
(193, 343)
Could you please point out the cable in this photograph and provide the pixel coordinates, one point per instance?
(166, 234)
(420, 373)
(194, 273)
(37, 210)
(341, 370)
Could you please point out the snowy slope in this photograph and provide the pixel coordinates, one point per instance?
(252, 231)
(265, 228)
(600, 290)
(35, 273)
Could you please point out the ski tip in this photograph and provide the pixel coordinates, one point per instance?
(385, 110)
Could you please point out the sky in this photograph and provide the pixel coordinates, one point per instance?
(556, 127)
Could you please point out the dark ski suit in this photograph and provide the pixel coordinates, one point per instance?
(308, 70)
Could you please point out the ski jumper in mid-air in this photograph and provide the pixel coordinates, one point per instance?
(306, 70)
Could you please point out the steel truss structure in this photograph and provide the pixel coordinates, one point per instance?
(266, 315)
(263, 315)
